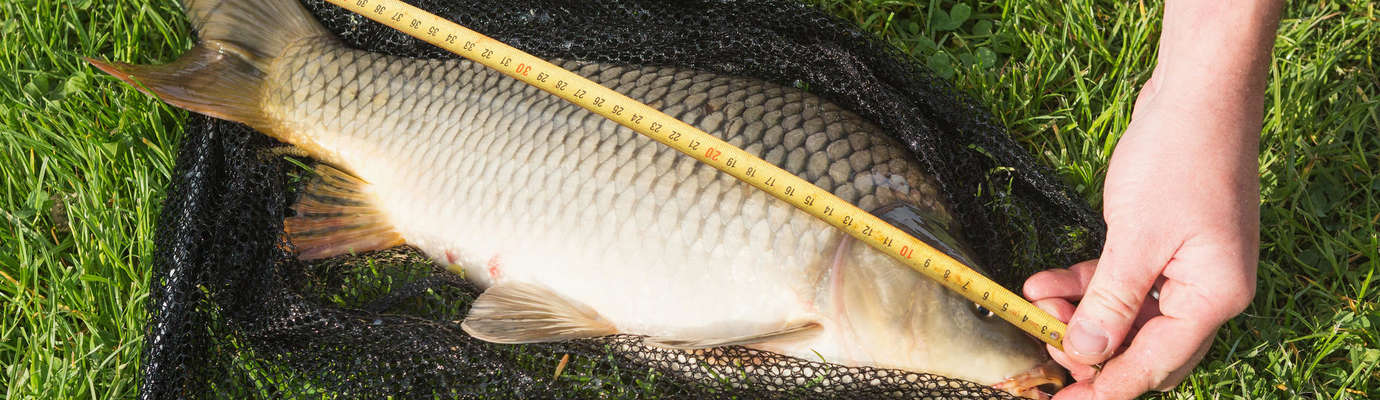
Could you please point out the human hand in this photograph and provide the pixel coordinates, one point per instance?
(1181, 203)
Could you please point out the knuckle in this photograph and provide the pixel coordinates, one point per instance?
(1236, 297)
(1246, 293)
(1118, 303)
(1032, 285)
(1216, 308)
(1169, 381)
(1236, 304)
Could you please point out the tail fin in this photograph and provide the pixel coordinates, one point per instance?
(223, 75)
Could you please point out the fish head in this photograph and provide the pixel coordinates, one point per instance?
(894, 317)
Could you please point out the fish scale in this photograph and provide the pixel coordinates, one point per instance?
(510, 176)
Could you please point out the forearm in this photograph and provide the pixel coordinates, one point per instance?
(1213, 58)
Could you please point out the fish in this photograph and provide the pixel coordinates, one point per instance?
(576, 227)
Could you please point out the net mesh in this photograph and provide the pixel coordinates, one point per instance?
(233, 314)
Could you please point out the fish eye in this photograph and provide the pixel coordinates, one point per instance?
(982, 311)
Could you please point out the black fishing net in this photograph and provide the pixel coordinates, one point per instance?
(233, 314)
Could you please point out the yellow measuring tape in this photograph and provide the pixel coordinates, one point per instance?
(710, 150)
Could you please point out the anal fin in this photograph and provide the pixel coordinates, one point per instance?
(517, 312)
(335, 216)
(791, 332)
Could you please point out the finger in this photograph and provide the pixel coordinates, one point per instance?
(1060, 309)
(1161, 355)
(1076, 391)
(1178, 375)
(1068, 283)
(1080, 372)
(1148, 310)
(1214, 294)
(1124, 274)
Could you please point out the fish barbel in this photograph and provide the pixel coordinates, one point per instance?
(578, 227)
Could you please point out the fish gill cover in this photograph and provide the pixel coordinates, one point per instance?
(233, 314)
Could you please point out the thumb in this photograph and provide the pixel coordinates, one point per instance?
(1130, 264)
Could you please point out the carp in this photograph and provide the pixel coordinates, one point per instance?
(578, 227)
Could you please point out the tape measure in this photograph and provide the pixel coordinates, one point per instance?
(711, 150)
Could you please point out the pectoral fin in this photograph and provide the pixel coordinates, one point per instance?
(792, 332)
(335, 216)
(930, 228)
(527, 313)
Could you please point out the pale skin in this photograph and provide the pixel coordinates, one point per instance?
(1181, 203)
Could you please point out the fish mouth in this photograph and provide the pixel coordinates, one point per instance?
(1039, 382)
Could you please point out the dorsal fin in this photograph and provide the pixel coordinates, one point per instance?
(261, 28)
(335, 216)
(516, 312)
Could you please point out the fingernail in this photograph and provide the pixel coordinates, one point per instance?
(1086, 339)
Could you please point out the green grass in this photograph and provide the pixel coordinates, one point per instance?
(84, 161)
(82, 168)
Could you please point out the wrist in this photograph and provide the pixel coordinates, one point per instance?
(1207, 116)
